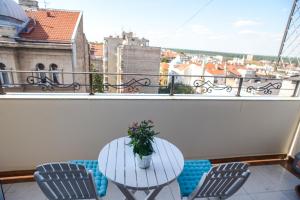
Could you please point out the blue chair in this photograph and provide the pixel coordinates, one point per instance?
(100, 179)
(199, 180)
(192, 172)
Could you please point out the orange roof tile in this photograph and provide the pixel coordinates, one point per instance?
(234, 69)
(213, 70)
(96, 49)
(181, 66)
(169, 54)
(164, 66)
(51, 25)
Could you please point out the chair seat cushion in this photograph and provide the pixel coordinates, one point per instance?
(100, 179)
(191, 175)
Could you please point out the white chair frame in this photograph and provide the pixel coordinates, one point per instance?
(65, 181)
(221, 181)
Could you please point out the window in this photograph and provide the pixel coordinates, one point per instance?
(41, 72)
(54, 73)
(3, 75)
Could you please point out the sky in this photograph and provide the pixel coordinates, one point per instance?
(239, 26)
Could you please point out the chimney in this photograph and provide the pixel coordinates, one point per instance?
(49, 14)
(29, 4)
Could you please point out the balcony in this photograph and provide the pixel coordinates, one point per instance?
(260, 129)
(58, 81)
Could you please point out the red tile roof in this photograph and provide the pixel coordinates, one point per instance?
(51, 25)
(96, 49)
(164, 66)
(214, 70)
(182, 66)
(234, 69)
(169, 54)
(220, 69)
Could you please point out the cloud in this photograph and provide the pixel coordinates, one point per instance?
(217, 37)
(243, 23)
(256, 34)
(277, 36)
(200, 30)
(207, 33)
(250, 32)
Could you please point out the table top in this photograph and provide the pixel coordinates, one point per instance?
(117, 162)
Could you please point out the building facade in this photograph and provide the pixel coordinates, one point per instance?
(47, 41)
(129, 54)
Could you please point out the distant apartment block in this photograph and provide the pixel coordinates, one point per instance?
(129, 54)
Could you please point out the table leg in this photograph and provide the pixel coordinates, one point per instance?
(126, 192)
(154, 193)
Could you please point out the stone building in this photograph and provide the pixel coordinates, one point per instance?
(129, 54)
(47, 41)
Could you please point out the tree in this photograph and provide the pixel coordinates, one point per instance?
(179, 88)
(97, 81)
(165, 60)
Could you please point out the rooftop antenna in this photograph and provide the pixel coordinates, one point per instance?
(45, 4)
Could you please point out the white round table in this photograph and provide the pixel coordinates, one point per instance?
(117, 162)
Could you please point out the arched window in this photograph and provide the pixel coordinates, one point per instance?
(40, 67)
(3, 75)
(41, 72)
(54, 73)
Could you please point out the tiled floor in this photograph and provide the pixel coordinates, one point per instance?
(266, 182)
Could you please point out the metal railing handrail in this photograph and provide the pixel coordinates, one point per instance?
(148, 74)
(201, 84)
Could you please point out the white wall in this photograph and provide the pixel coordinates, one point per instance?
(35, 131)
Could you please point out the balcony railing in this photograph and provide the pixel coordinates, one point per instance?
(138, 83)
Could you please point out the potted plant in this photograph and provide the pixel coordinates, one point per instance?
(142, 137)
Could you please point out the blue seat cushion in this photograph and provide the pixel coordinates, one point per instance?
(100, 179)
(191, 175)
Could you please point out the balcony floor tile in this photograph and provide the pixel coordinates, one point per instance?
(270, 178)
(273, 196)
(6, 187)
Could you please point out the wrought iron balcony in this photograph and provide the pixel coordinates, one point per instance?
(134, 83)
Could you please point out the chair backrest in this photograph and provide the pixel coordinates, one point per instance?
(222, 181)
(65, 181)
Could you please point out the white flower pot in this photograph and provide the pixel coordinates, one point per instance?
(145, 162)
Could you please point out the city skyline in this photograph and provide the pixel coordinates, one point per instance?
(251, 27)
